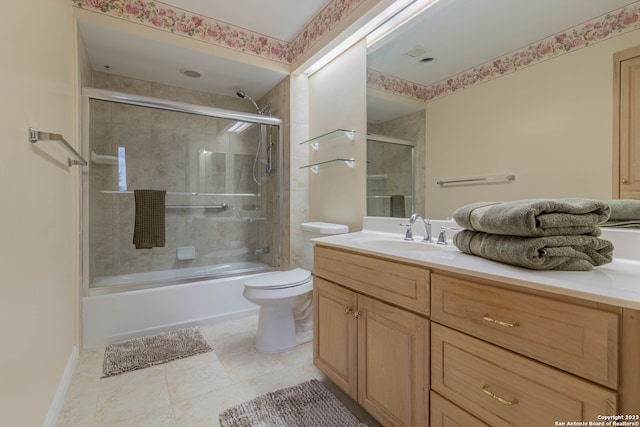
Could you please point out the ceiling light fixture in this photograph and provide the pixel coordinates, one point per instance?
(190, 73)
(239, 127)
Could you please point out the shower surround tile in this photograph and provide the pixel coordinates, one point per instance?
(180, 153)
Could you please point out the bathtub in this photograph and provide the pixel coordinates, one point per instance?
(117, 316)
(157, 278)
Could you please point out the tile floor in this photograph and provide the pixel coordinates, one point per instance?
(190, 391)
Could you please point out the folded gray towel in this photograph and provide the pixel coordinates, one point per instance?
(622, 224)
(625, 213)
(579, 253)
(148, 229)
(535, 217)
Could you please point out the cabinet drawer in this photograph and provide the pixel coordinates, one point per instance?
(445, 414)
(401, 284)
(505, 389)
(577, 339)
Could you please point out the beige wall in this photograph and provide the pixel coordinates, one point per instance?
(39, 227)
(299, 155)
(549, 124)
(337, 99)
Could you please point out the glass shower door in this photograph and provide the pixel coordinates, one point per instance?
(217, 216)
(390, 178)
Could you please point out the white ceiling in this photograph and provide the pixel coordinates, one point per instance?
(281, 19)
(462, 34)
(459, 34)
(151, 60)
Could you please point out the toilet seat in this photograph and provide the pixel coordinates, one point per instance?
(280, 279)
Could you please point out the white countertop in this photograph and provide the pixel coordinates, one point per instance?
(617, 283)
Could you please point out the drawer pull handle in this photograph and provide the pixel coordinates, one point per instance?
(488, 318)
(348, 310)
(357, 314)
(485, 390)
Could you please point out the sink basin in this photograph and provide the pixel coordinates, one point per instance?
(391, 244)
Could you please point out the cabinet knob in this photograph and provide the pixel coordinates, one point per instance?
(357, 314)
(348, 310)
(625, 181)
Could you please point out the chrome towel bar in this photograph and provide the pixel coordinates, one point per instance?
(503, 178)
(36, 135)
(223, 207)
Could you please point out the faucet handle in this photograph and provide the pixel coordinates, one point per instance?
(442, 237)
(408, 235)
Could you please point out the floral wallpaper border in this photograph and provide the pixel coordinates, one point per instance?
(609, 25)
(178, 21)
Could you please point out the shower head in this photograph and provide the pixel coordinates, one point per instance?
(242, 94)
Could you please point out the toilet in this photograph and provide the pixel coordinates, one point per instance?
(284, 297)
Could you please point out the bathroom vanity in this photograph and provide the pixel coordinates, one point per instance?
(430, 336)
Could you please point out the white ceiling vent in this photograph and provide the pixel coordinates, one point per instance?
(416, 51)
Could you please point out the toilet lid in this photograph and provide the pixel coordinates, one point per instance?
(280, 279)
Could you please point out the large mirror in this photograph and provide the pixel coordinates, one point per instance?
(498, 88)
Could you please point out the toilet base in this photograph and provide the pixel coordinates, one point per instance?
(276, 329)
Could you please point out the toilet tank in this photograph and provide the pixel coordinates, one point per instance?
(312, 230)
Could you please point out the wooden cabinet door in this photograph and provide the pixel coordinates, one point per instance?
(334, 334)
(393, 363)
(445, 414)
(627, 125)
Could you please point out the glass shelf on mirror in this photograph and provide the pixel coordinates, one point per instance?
(315, 142)
(314, 166)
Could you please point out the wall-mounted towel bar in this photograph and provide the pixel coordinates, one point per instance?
(176, 193)
(484, 179)
(36, 135)
(222, 207)
(184, 193)
(386, 197)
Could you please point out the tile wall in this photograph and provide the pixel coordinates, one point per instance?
(180, 153)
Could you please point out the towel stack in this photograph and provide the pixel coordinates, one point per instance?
(539, 234)
(625, 213)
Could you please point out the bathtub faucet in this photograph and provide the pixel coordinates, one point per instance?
(262, 251)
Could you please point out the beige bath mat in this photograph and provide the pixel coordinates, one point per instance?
(139, 353)
(308, 404)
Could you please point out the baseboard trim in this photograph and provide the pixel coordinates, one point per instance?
(61, 392)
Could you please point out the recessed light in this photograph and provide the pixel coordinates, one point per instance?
(190, 73)
(427, 59)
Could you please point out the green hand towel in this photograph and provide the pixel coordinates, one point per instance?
(149, 226)
(535, 217)
(578, 253)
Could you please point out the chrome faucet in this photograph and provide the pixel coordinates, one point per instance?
(426, 227)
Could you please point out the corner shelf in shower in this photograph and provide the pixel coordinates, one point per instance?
(315, 144)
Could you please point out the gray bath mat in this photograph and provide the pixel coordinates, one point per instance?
(139, 353)
(308, 404)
